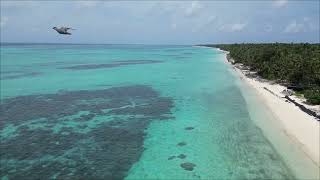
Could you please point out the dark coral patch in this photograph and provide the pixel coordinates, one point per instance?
(181, 144)
(21, 75)
(182, 156)
(171, 157)
(136, 100)
(111, 65)
(188, 166)
(86, 117)
(78, 134)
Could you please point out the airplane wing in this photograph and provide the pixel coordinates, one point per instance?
(67, 28)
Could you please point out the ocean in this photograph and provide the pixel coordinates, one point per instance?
(127, 112)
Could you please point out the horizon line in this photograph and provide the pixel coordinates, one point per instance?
(199, 44)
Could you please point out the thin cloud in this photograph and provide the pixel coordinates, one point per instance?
(194, 9)
(3, 21)
(268, 28)
(174, 26)
(304, 25)
(204, 23)
(18, 4)
(311, 25)
(280, 3)
(294, 27)
(87, 4)
(236, 27)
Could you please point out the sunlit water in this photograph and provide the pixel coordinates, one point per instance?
(127, 111)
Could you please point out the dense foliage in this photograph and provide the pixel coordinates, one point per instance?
(295, 65)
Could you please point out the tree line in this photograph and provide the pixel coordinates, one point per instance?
(296, 66)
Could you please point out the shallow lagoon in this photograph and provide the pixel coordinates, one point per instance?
(127, 111)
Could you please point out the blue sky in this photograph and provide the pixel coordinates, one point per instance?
(161, 22)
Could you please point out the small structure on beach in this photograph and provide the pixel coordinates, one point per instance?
(287, 92)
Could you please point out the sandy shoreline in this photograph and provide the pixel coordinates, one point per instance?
(301, 128)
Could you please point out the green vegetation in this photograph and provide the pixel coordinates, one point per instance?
(298, 94)
(296, 66)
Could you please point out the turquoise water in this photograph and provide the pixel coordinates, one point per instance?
(127, 112)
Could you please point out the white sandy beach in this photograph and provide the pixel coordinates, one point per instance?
(301, 128)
